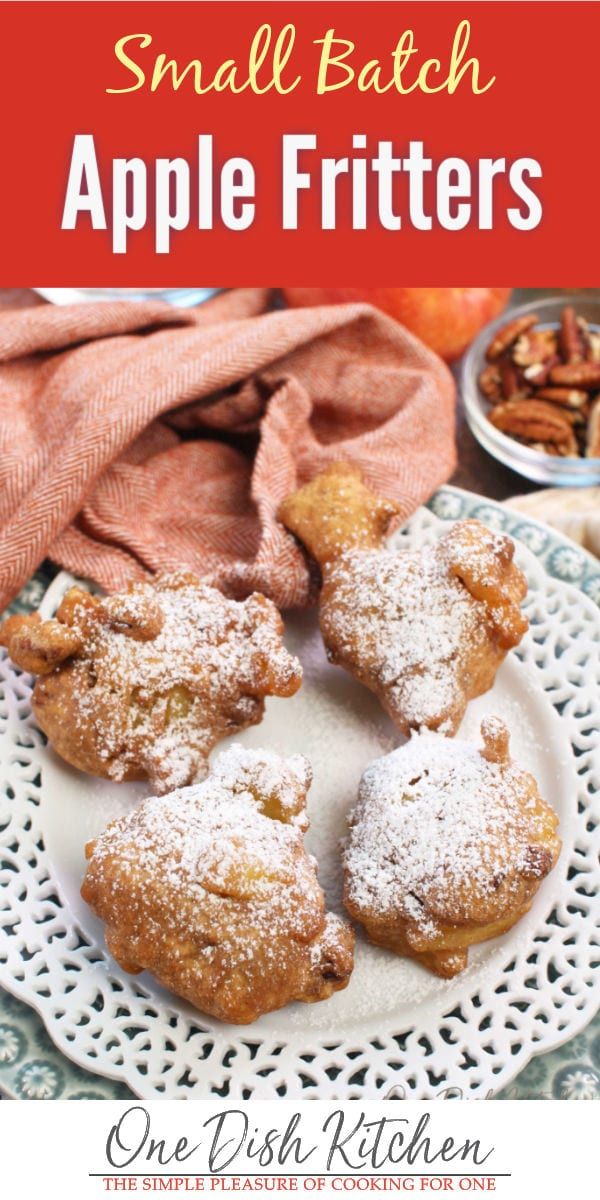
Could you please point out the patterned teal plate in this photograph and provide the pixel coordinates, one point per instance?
(31, 1067)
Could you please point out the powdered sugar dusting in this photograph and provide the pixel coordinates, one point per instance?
(158, 703)
(341, 727)
(278, 784)
(411, 619)
(215, 841)
(417, 626)
(438, 831)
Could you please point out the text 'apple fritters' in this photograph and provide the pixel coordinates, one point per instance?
(211, 889)
(145, 682)
(447, 848)
(426, 630)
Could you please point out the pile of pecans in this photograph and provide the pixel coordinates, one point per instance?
(544, 385)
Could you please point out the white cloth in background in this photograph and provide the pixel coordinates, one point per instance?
(575, 511)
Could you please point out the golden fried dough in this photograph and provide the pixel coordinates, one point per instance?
(142, 684)
(425, 630)
(447, 848)
(212, 891)
(335, 512)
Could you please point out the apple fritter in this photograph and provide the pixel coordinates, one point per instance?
(426, 630)
(143, 683)
(210, 889)
(447, 848)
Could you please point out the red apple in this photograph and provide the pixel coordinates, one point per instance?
(446, 319)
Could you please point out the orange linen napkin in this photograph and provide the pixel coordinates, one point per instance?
(136, 438)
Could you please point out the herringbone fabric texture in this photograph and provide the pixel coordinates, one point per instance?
(137, 438)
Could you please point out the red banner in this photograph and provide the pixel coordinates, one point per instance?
(292, 143)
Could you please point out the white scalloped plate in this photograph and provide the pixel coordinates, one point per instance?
(396, 1026)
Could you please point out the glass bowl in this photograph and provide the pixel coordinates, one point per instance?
(533, 464)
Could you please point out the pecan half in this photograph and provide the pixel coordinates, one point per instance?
(508, 334)
(577, 375)
(568, 397)
(490, 383)
(535, 421)
(511, 382)
(571, 339)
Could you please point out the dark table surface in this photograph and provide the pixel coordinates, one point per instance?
(477, 471)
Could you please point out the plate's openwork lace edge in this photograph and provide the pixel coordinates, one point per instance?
(543, 993)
